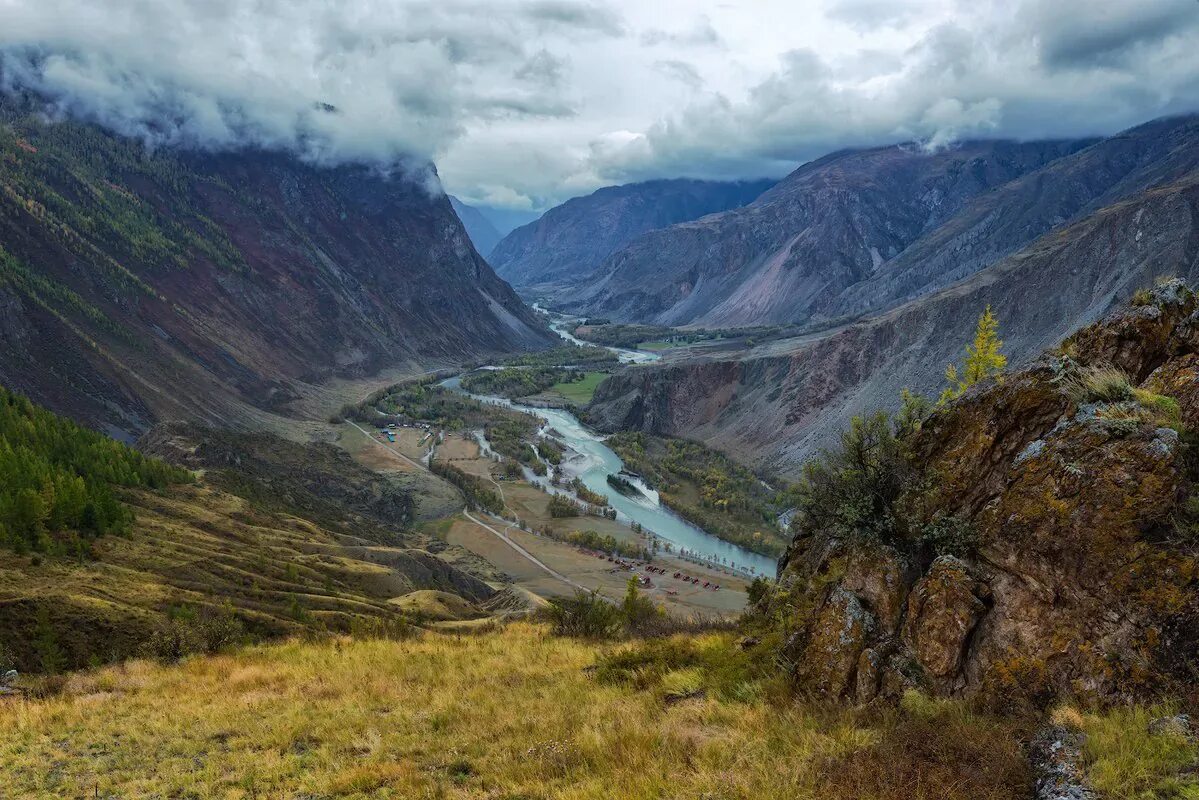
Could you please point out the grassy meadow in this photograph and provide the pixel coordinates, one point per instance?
(507, 713)
(580, 392)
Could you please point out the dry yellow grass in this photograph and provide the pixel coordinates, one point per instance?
(510, 713)
(506, 714)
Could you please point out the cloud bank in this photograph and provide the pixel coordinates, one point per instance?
(523, 103)
(349, 81)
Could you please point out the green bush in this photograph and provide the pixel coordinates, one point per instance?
(562, 506)
(188, 631)
(852, 491)
(586, 615)
(950, 536)
(639, 612)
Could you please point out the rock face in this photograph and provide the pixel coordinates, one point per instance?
(778, 403)
(139, 286)
(571, 240)
(1081, 573)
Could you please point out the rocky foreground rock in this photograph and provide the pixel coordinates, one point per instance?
(1072, 486)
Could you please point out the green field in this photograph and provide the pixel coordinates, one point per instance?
(579, 392)
(658, 345)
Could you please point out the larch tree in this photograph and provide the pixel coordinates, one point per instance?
(983, 359)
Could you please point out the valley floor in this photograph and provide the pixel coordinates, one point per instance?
(516, 713)
(581, 567)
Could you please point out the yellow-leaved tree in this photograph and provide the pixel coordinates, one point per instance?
(983, 359)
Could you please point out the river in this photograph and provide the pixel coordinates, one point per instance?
(595, 461)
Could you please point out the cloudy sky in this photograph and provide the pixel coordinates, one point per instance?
(523, 103)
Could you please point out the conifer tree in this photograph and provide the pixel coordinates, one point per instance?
(983, 359)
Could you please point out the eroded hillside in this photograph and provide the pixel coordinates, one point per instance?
(139, 286)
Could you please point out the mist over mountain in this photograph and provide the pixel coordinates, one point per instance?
(221, 287)
(599, 399)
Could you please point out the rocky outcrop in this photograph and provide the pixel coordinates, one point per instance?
(571, 240)
(1077, 571)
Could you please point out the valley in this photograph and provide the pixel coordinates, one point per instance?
(873, 480)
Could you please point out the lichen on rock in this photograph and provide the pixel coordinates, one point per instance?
(1081, 576)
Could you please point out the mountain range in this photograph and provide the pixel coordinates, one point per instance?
(569, 241)
(1052, 247)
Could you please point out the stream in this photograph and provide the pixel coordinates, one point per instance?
(592, 462)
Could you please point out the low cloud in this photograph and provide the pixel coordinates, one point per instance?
(360, 81)
(525, 103)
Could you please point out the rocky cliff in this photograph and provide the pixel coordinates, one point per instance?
(571, 240)
(219, 287)
(1035, 538)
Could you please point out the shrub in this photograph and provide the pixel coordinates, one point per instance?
(852, 491)
(638, 610)
(52, 659)
(188, 631)
(562, 506)
(950, 535)
(1099, 385)
(586, 615)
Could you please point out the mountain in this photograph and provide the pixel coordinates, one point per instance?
(572, 239)
(506, 220)
(483, 235)
(226, 288)
(792, 254)
(1102, 223)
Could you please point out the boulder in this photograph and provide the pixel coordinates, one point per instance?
(1178, 725)
(943, 611)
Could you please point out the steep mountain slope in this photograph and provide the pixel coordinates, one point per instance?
(829, 225)
(138, 286)
(784, 400)
(483, 235)
(569, 241)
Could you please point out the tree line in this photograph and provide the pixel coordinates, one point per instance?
(59, 483)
